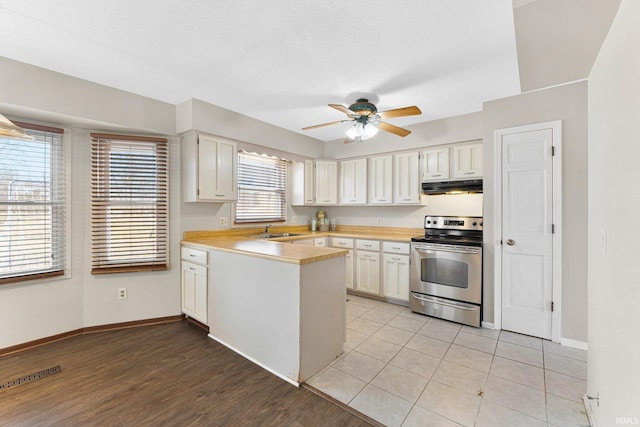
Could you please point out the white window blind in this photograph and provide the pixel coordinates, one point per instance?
(129, 204)
(262, 188)
(32, 205)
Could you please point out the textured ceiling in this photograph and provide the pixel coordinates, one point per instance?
(280, 61)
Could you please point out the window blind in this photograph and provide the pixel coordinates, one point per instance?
(32, 205)
(262, 188)
(129, 204)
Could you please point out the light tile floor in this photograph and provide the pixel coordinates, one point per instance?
(405, 369)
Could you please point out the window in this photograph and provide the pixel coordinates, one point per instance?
(32, 205)
(129, 196)
(262, 188)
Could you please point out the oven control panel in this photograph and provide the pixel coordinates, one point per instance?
(453, 222)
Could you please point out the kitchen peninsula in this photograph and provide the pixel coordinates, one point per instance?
(280, 305)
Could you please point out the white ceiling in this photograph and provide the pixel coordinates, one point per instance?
(280, 61)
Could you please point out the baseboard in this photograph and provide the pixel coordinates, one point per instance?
(587, 407)
(488, 325)
(88, 330)
(574, 343)
(262, 365)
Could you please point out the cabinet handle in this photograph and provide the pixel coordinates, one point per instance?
(436, 175)
(469, 173)
(192, 269)
(395, 259)
(407, 200)
(192, 255)
(219, 195)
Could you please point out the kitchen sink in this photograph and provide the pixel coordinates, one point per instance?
(275, 235)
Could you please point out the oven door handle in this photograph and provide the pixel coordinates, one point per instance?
(455, 251)
(444, 303)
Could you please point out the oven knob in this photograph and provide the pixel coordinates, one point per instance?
(428, 221)
(481, 224)
(474, 223)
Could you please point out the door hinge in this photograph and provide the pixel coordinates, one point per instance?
(553, 228)
(553, 150)
(500, 241)
(551, 305)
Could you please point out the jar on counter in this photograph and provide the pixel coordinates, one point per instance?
(314, 224)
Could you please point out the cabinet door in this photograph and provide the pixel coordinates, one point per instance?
(194, 291)
(353, 182)
(326, 182)
(309, 192)
(380, 180)
(349, 273)
(217, 165)
(368, 272)
(407, 179)
(435, 165)
(467, 161)
(396, 276)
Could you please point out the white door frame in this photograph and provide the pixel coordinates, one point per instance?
(556, 315)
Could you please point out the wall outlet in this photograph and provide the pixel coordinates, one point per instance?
(122, 293)
(378, 221)
(224, 221)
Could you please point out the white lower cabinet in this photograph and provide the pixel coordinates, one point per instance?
(341, 242)
(395, 270)
(194, 283)
(395, 274)
(368, 266)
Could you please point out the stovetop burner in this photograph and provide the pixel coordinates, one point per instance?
(452, 230)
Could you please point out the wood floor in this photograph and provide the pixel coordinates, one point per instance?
(161, 375)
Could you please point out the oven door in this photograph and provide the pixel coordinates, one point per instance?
(447, 271)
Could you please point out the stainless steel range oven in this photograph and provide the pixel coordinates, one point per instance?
(446, 269)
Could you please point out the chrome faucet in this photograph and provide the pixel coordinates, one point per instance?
(266, 231)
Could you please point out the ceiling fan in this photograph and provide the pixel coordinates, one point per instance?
(367, 120)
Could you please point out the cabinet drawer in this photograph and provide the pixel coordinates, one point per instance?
(368, 245)
(396, 247)
(194, 255)
(340, 242)
(320, 242)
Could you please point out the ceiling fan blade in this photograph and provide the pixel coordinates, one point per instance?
(400, 112)
(387, 127)
(325, 124)
(341, 108)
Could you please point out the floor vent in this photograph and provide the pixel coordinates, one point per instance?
(31, 377)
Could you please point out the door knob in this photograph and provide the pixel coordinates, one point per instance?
(511, 242)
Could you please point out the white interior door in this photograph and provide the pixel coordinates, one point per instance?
(527, 239)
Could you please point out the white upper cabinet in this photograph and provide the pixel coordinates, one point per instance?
(380, 180)
(209, 167)
(326, 182)
(406, 189)
(302, 188)
(435, 164)
(467, 161)
(353, 182)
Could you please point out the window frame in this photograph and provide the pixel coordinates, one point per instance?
(280, 167)
(108, 195)
(58, 201)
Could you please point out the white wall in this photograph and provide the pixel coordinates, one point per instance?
(569, 104)
(34, 310)
(614, 203)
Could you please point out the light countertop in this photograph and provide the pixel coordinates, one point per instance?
(280, 249)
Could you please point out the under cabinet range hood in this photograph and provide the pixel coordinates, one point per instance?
(452, 187)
